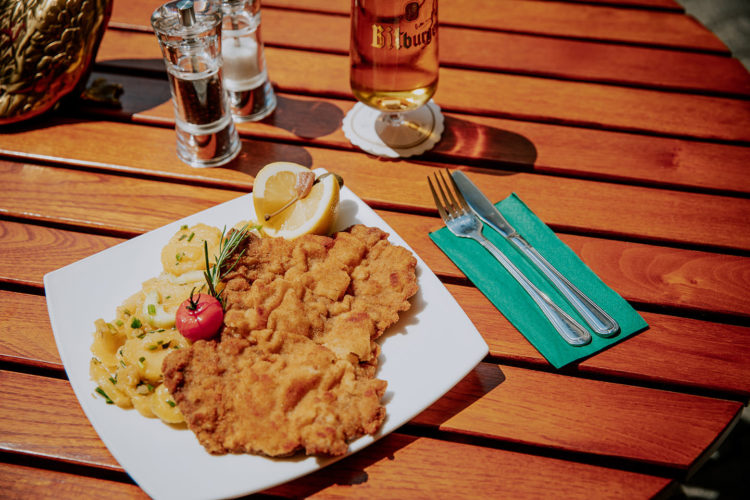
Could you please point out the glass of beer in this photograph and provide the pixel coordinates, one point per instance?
(394, 69)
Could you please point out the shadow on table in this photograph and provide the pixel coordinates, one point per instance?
(255, 155)
(725, 475)
(353, 470)
(467, 140)
(483, 379)
(305, 118)
(348, 472)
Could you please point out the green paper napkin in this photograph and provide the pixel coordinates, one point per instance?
(515, 304)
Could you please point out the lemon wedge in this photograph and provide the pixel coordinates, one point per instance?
(313, 213)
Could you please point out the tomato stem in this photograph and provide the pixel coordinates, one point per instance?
(192, 302)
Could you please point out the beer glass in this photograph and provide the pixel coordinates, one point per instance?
(394, 71)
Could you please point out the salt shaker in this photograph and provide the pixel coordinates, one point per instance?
(246, 80)
(189, 33)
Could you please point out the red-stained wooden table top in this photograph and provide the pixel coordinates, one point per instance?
(624, 124)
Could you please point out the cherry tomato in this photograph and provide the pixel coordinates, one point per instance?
(199, 317)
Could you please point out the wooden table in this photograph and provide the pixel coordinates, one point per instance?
(623, 124)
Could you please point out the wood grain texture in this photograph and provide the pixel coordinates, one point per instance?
(560, 19)
(388, 468)
(492, 142)
(405, 467)
(566, 205)
(645, 274)
(587, 416)
(18, 481)
(674, 351)
(480, 49)
(532, 98)
(691, 354)
(100, 201)
(656, 4)
(40, 416)
(28, 250)
(27, 336)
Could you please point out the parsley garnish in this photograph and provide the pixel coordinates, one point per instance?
(104, 395)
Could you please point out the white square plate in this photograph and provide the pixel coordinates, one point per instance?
(434, 339)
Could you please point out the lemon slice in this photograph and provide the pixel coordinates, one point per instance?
(314, 213)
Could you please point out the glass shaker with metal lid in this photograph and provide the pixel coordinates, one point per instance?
(189, 33)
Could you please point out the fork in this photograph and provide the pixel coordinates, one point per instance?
(462, 222)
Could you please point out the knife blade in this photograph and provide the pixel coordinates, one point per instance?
(599, 321)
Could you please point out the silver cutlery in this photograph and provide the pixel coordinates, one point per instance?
(462, 222)
(599, 321)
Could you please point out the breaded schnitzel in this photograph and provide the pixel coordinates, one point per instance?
(293, 367)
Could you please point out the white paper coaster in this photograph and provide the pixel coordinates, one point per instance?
(364, 131)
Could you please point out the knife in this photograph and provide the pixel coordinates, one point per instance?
(599, 321)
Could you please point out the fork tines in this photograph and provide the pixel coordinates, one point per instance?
(448, 205)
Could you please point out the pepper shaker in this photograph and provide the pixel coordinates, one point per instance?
(251, 95)
(189, 33)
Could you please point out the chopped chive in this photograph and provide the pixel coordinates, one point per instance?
(104, 395)
(123, 363)
(136, 323)
(182, 237)
(191, 237)
(119, 322)
(171, 403)
(179, 256)
(113, 380)
(183, 227)
(142, 335)
(152, 347)
(150, 387)
(152, 309)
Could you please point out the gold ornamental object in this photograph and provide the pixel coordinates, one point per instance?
(47, 48)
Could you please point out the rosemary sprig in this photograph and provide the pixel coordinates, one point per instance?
(227, 247)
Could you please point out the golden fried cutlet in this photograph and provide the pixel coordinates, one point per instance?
(294, 364)
(238, 397)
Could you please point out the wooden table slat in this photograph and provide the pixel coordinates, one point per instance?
(18, 481)
(500, 51)
(645, 274)
(497, 402)
(524, 97)
(378, 471)
(699, 358)
(566, 205)
(559, 19)
(20, 315)
(623, 124)
(524, 146)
